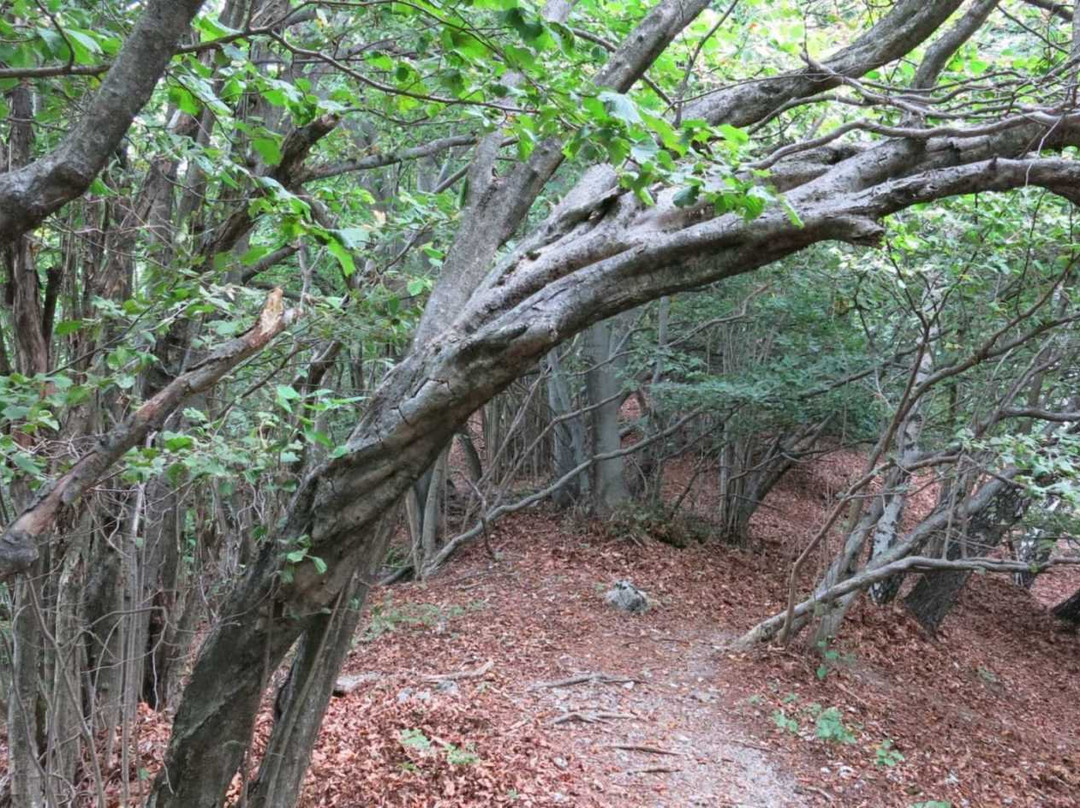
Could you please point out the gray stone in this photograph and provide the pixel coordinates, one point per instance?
(627, 597)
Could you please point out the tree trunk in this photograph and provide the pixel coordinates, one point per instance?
(1069, 610)
(304, 697)
(24, 733)
(934, 597)
(602, 382)
(568, 439)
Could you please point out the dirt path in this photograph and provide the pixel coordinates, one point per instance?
(967, 718)
(691, 750)
(537, 615)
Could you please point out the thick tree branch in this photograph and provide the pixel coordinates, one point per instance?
(499, 207)
(1059, 10)
(942, 50)
(909, 23)
(30, 194)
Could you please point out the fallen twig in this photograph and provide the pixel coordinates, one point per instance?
(654, 750)
(748, 744)
(653, 770)
(814, 790)
(589, 717)
(581, 678)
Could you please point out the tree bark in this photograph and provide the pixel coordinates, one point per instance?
(306, 693)
(602, 382)
(1069, 610)
(29, 194)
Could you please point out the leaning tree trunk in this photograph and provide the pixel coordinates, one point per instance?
(1069, 610)
(305, 695)
(935, 595)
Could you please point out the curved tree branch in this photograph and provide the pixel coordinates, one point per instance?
(30, 194)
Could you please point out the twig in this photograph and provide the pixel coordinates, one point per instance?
(581, 678)
(747, 744)
(815, 790)
(653, 770)
(589, 717)
(652, 750)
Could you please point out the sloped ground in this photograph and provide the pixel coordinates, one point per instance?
(985, 715)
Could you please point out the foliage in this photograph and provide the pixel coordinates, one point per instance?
(455, 755)
(887, 756)
(829, 726)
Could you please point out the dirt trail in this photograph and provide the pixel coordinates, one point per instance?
(538, 615)
(678, 705)
(982, 715)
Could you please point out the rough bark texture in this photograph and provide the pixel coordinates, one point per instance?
(1069, 610)
(29, 194)
(934, 596)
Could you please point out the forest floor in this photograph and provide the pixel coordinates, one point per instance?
(508, 681)
(983, 715)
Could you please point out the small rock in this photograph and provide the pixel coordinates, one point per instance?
(409, 693)
(447, 686)
(560, 763)
(559, 797)
(627, 597)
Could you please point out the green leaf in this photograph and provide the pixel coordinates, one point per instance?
(733, 134)
(620, 107)
(65, 327)
(687, 197)
(184, 100)
(175, 442)
(26, 463)
(342, 254)
(269, 150)
(414, 738)
(792, 214)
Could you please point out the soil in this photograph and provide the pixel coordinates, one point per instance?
(981, 715)
(507, 680)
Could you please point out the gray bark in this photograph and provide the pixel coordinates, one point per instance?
(29, 194)
(568, 440)
(602, 382)
(306, 693)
